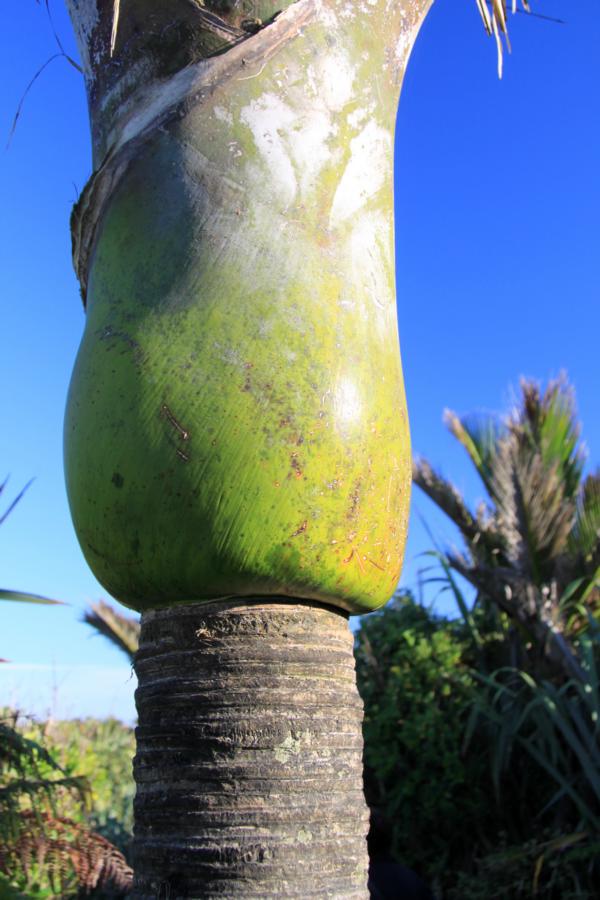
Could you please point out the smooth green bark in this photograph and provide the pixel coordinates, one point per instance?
(236, 421)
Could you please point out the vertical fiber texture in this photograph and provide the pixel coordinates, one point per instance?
(249, 754)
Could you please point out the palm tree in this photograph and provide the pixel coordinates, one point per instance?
(236, 440)
(237, 454)
(122, 631)
(532, 549)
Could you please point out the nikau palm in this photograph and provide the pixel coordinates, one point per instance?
(532, 550)
(236, 440)
(122, 631)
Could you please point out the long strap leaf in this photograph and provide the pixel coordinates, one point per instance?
(22, 597)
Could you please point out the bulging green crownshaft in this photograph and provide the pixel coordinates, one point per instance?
(236, 421)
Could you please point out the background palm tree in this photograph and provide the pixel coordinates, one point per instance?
(121, 630)
(532, 548)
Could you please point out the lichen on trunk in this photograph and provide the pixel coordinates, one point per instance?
(249, 754)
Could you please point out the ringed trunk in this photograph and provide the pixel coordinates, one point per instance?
(249, 754)
(236, 431)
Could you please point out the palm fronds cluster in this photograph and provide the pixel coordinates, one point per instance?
(532, 548)
(122, 631)
(494, 15)
(531, 551)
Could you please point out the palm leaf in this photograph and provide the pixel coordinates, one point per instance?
(445, 495)
(585, 536)
(494, 18)
(458, 596)
(122, 631)
(558, 727)
(27, 598)
(20, 752)
(12, 505)
(479, 435)
(548, 424)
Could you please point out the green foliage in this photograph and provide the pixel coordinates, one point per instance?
(417, 693)
(554, 868)
(102, 751)
(46, 845)
(559, 729)
(487, 785)
(482, 735)
(9, 892)
(31, 778)
(532, 549)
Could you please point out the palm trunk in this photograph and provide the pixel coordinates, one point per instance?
(249, 756)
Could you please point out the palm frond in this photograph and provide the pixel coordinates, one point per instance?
(585, 536)
(537, 472)
(479, 435)
(22, 597)
(459, 598)
(535, 514)
(532, 608)
(12, 505)
(31, 780)
(494, 17)
(445, 495)
(547, 423)
(19, 752)
(122, 631)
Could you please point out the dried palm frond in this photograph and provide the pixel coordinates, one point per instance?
(494, 17)
(477, 529)
(548, 423)
(122, 631)
(535, 514)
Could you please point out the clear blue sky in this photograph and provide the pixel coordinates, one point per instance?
(498, 243)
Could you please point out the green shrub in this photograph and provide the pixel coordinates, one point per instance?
(102, 751)
(48, 843)
(417, 694)
(559, 868)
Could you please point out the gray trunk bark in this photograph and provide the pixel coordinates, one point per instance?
(249, 754)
